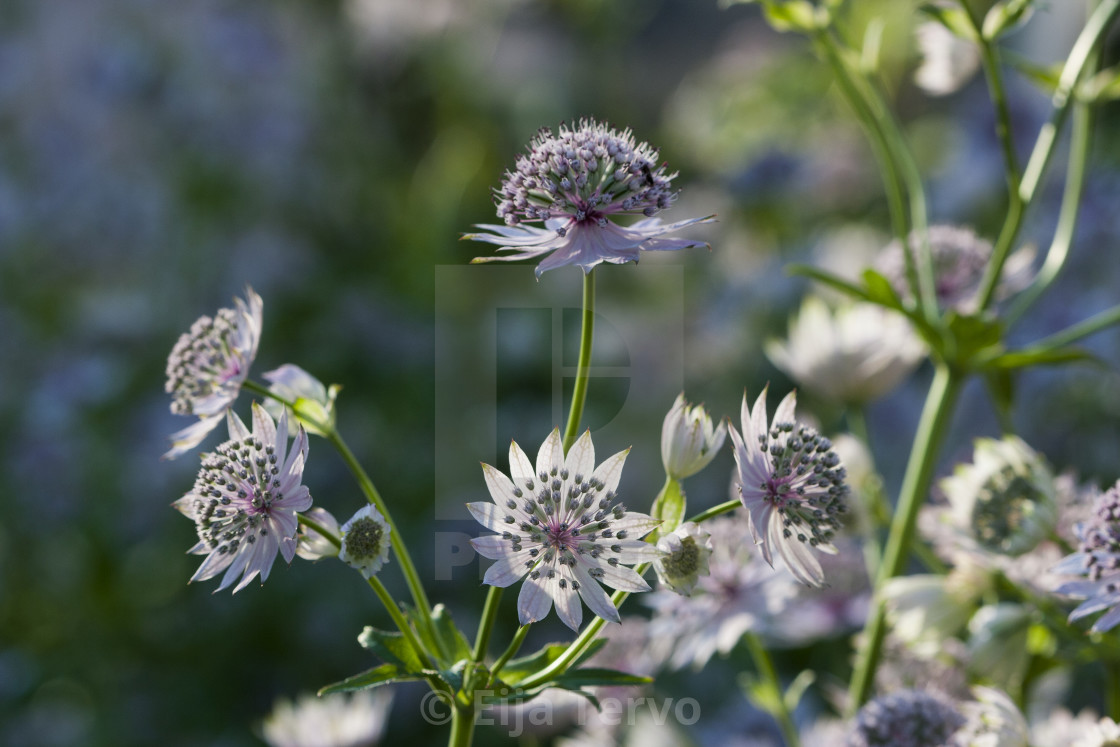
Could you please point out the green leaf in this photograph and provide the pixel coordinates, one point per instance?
(574, 679)
(880, 291)
(428, 639)
(835, 282)
(518, 669)
(669, 507)
(797, 689)
(1104, 86)
(1001, 385)
(761, 693)
(1045, 77)
(392, 648)
(375, 677)
(454, 642)
(1040, 357)
(1005, 16)
(972, 334)
(953, 18)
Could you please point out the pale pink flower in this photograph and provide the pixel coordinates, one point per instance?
(245, 500)
(575, 184)
(792, 485)
(207, 367)
(561, 525)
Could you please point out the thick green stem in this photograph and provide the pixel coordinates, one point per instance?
(399, 621)
(583, 373)
(462, 726)
(932, 429)
(486, 624)
(714, 511)
(765, 667)
(1079, 59)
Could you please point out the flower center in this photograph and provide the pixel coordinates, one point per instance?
(363, 539)
(685, 561)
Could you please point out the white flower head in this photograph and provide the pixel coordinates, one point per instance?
(1005, 500)
(338, 720)
(948, 61)
(314, 403)
(908, 718)
(366, 539)
(207, 367)
(925, 609)
(687, 551)
(997, 643)
(689, 442)
(576, 183)
(960, 258)
(855, 353)
(562, 526)
(245, 500)
(792, 485)
(992, 720)
(1098, 560)
(1104, 733)
(312, 544)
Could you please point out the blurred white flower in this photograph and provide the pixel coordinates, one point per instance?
(992, 720)
(207, 367)
(366, 539)
(245, 500)
(948, 61)
(313, 545)
(1060, 727)
(1104, 733)
(792, 485)
(1005, 500)
(687, 551)
(314, 403)
(925, 609)
(689, 442)
(997, 643)
(338, 720)
(855, 353)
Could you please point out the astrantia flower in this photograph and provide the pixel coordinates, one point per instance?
(925, 609)
(207, 367)
(909, 718)
(993, 720)
(365, 541)
(314, 403)
(245, 500)
(687, 551)
(959, 260)
(792, 485)
(339, 720)
(1005, 499)
(576, 183)
(739, 594)
(561, 525)
(857, 353)
(688, 440)
(1098, 559)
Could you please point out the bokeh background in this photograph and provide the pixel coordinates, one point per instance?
(156, 157)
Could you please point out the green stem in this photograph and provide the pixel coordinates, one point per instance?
(510, 652)
(486, 624)
(714, 511)
(989, 56)
(1080, 141)
(1079, 58)
(462, 726)
(765, 667)
(878, 512)
(583, 374)
(398, 619)
(399, 548)
(932, 428)
(1072, 334)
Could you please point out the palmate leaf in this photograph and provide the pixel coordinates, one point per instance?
(392, 648)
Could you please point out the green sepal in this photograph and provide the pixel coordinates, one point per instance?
(456, 674)
(454, 642)
(669, 508)
(517, 670)
(392, 648)
(1005, 16)
(953, 18)
(880, 291)
(381, 675)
